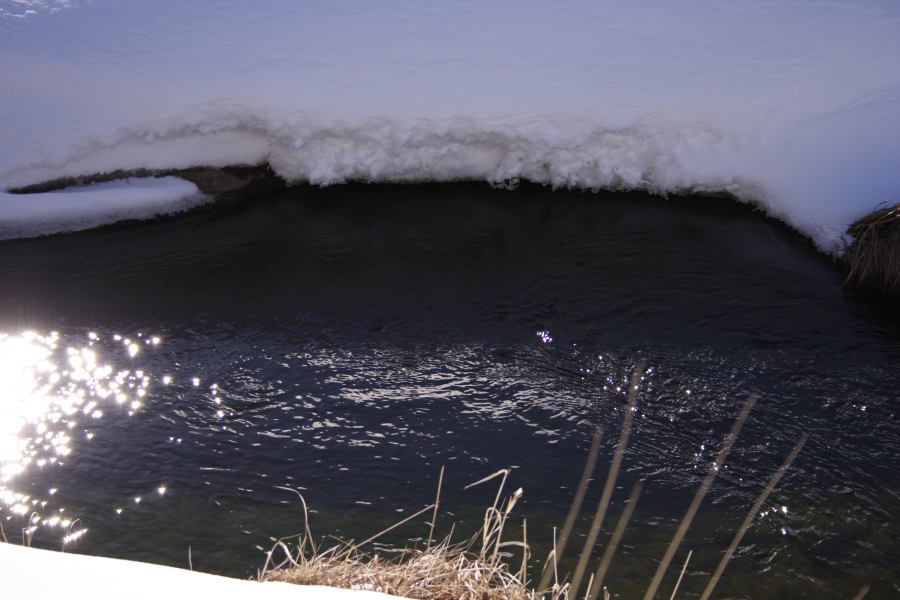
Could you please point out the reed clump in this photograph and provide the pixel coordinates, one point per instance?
(873, 259)
(443, 571)
(483, 567)
(478, 569)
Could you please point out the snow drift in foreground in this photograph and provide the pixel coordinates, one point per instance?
(33, 573)
(77, 208)
(794, 105)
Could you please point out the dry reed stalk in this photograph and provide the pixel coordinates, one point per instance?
(748, 520)
(681, 575)
(437, 504)
(28, 532)
(610, 478)
(874, 256)
(861, 593)
(443, 570)
(494, 519)
(526, 553)
(553, 558)
(588, 590)
(395, 526)
(466, 572)
(613, 545)
(698, 498)
(575, 508)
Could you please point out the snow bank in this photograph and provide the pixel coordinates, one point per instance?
(794, 105)
(77, 208)
(33, 573)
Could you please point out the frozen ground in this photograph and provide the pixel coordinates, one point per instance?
(33, 573)
(794, 105)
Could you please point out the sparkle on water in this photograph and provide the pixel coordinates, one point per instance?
(392, 338)
(54, 390)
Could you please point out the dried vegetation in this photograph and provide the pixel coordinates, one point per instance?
(487, 567)
(873, 259)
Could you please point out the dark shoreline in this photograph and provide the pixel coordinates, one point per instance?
(236, 184)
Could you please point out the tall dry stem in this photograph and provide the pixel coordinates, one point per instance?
(748, 520)
(698, 497)
(610, 478)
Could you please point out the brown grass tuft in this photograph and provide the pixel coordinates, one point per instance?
(873, 259)
(481, 569)
(475, 570)
(442, 571)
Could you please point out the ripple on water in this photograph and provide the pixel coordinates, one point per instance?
(378, 348)
(134, 427)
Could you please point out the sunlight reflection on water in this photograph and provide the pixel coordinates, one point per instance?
(54, 389)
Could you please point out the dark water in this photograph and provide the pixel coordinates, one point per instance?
(350, 341)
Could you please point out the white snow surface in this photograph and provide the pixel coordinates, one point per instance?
(77, 208)
(33, 573)
(792, 104)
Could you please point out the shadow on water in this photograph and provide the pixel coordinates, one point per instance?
(351, 340)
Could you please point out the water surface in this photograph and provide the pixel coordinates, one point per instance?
(350, 341)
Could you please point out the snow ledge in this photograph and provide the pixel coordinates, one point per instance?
(29, 572)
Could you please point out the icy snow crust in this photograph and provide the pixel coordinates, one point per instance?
(77, 208)
(794, 105)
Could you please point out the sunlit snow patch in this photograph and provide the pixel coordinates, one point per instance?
(792, 105)
(78, 208)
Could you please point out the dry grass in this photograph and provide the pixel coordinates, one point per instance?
(474, 570)
(873, 259)
(488, 568)
(443, 571)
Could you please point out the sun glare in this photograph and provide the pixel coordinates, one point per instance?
(52, 390)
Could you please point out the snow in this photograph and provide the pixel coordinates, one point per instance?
(29, 572)
(77, 208)
(793, 105)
